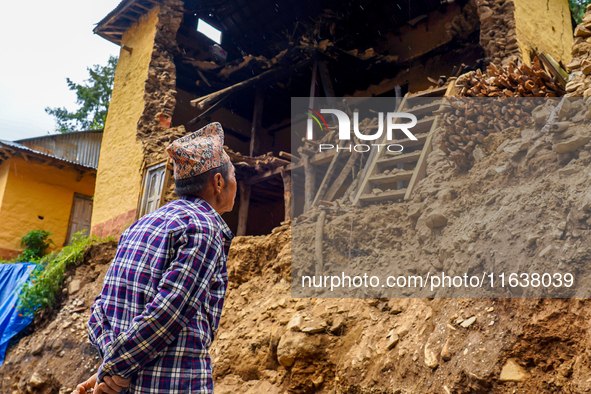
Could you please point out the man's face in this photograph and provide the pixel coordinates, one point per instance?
(228, 193)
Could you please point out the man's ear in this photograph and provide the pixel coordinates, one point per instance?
(218, 183)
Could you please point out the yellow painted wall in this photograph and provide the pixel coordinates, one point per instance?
(118, 178)
(3, 177)
(34, 190)
(546, 26)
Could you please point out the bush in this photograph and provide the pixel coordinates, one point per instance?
(36, 243)
(47, 278)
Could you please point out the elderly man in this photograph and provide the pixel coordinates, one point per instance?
(162, 297)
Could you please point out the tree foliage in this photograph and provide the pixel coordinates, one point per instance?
(93, 97)
(577, 9)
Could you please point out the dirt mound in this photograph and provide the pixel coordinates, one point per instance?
(503, 213)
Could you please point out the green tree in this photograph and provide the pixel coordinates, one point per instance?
(577, 9)
(93, 97)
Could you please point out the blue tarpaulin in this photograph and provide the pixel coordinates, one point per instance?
(12, 279)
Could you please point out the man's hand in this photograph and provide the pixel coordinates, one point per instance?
(111, 385)
(84, 388)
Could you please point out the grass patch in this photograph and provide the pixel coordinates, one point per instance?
(46, 280)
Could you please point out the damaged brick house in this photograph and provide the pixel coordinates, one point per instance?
(172, 80)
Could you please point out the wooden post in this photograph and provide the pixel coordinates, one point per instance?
(257, 118)
(309, 183)
(286, 176)
(319, 244)
(243, 210)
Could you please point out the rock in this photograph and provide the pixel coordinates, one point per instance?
(314, 326)
(586, 206)
(468, 322)
(37, 348)
(545, 251)
(541, 113)
(478, 154)
(295, 324)
(572, 144)
(294, 345)
(446, 352)
(569, 170)
(513, 372)
(37, 380)
(74, 286)
(338, 324)
(430, 358)
(435, 220)
(415, 210)
(516, 146)
(532, 238)
(392, 341)
(377, 191)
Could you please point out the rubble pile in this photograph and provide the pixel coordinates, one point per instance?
(580, 66)
(498, 36)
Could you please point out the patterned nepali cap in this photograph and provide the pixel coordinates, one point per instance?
(198, 152)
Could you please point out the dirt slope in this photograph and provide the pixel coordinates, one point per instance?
(507, 210)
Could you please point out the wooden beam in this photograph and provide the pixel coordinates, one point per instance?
(318, 244)
(274, 74)
(309, 183)
(334, 188)
(243, 209)
(266, 175)
(257, 119)
(286, 176)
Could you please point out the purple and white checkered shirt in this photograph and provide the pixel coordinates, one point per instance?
(162, 300)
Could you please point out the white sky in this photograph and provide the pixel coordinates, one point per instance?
(42, 43)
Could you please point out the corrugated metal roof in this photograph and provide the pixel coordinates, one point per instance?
(81, 148)
(78, 147)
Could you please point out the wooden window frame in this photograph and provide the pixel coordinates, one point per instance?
(143, 200)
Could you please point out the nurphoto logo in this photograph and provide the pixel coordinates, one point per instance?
(344, 128)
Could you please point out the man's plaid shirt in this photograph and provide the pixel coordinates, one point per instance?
(162, 300)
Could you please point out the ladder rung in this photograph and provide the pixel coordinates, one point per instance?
(425, 109)
(407, 142)
(389, 195)
(393, 158)
(390, 178)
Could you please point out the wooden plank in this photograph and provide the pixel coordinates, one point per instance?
(286, 176)
(334, 188)
(243, 210)
(309, 183)
(265, 176)
(257, 119)
(392, 158)
(421, 168)
(392, 194)
(399, 176)
(318, 244)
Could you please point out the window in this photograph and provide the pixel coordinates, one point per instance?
(152, 193)
(209, 31)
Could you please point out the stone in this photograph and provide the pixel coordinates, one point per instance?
(545, 251)
(586, 205)
(446, 352)
(37, 348)
(478, 154)
(314, 326)
(377, 191)
(338, 325)
(572, 86)
(468, 322)
(532, 239)
(431, 359)
(516, 146)
(572, 144)
(392, 341)
(541, 113)
(37, 380)
(74, 286)
(435, 220)
(569, 170)
(415, 210)
(293, 345)
(513, 372)
(295, 324)
(586, 67)
(263, 387)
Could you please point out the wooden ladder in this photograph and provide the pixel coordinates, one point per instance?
(396, 174)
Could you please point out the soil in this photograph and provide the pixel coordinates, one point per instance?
(503, 213)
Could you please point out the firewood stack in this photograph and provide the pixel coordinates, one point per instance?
(580, 66)
(512, 81)
(466, 123)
